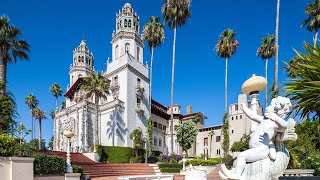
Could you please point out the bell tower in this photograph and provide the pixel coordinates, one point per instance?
(82, 64)
(126, 38)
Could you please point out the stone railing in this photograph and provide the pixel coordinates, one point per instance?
(148, 177)
(298, 172)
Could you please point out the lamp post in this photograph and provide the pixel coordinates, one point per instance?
(69, 135)
(184, 160)
(253, 86)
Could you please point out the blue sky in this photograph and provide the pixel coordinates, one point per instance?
(55, 28)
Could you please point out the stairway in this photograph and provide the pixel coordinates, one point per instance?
(112, 170)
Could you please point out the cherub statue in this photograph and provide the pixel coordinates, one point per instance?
(272, 124)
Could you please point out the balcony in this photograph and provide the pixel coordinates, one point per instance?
(139, 109)
(139, 88)
(114, 86)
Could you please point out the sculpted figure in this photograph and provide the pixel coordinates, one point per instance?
(260, 144)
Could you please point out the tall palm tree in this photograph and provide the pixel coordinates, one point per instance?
(96, 86)
(275, 83)
(52, 115)
(175, 13)
(313, 20)
(211, 134)
(40, 115)
(11, 48)
(56, 92)
(32, 103)
(153, 32)
(225, 47)
(266, 51)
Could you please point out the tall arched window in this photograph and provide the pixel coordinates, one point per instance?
(127, 48)
(82, 59)
(79, 59)
(129, 24)
(138, 53)
(116, 52)
(125, 23)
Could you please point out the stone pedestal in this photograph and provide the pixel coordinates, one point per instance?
(72, 176)
(192, 174)
(12, 168)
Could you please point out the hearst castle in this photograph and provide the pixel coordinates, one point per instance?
(126, 108)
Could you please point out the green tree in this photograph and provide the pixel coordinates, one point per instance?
(276, 57)
(241, 145)
(266, 51)
(40, 115)
(136, 137)
(175, 13)
(312, 23)
(11, 48)
(304, 87)
(56, 92)
(50, 144)
(96, 86)
(186, 134)
(225, 133)
(225, 47)
(8, 112)
(153, 33)
(197, 118)
(32, 103)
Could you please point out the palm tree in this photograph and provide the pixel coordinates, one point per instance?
(304, 86)
(96, 86)
(175, 13)
(225, 48)
(275, 83)
(32, 103)
(11, 48)
(313, 20)
(56, 92)
(153, 32)
(52, 115)
(40, 115)
(266, 51)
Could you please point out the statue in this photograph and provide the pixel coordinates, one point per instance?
(266, 159)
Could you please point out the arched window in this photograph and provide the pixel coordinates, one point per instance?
(82, 59)
(155, 141)
(127, 48)
(80, 75)
(125, 23)
(129, 24)
(79, 59)
(138, 53)
(116, 53)
(118, 25)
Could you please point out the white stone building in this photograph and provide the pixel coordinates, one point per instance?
(126, 108)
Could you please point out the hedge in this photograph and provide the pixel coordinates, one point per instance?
(167, 165)
(77, 169)
(48, 164)
(7, 145)
(115, 154)
(170, 170)
(202, 162)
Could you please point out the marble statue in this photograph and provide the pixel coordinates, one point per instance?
(266, 157)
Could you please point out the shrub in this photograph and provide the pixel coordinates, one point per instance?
(47, 164)
(153, 159)
(170, 170)
(167, 165)
(77, 169)
(115, 154)
(7, 145)
(202, 162)
(312, 162)
(137, 160)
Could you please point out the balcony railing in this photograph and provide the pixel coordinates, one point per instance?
(114, 86)
(139, 109)
(139, 88)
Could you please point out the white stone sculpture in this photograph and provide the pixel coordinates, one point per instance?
(265, 160)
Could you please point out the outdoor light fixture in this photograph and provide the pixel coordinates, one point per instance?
(69, 135)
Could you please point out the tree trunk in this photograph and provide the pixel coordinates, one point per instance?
(315, 37)
(266, 93)
(150, 88)
(39, 139)
(277, 48)
(3, 75)
(226, 88)
(32, 133)
(95, 123)
(172, 84)
(56, 103)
